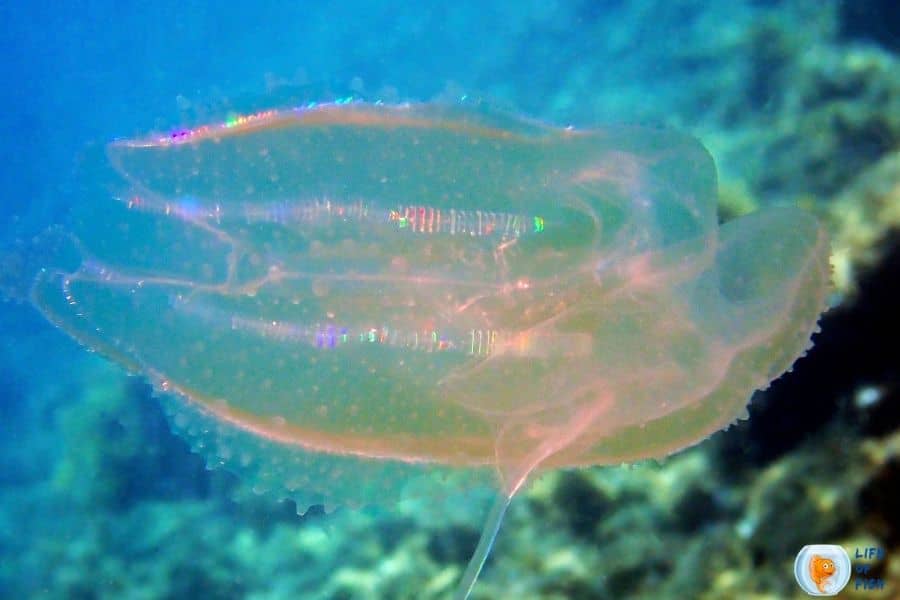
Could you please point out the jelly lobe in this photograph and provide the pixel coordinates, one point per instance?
(598, 182)
(345, 298)
(598, 301)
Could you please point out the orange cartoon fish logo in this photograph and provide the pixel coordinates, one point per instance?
(820, 569)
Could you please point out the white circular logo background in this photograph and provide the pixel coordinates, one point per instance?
(830, 585)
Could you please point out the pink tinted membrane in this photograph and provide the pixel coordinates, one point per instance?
(343, 112)
(393, 289)
(461, 273)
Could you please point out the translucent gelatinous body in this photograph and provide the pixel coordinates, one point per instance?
(418, 285)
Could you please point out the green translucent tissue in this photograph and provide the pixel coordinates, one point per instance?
(342, 299)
